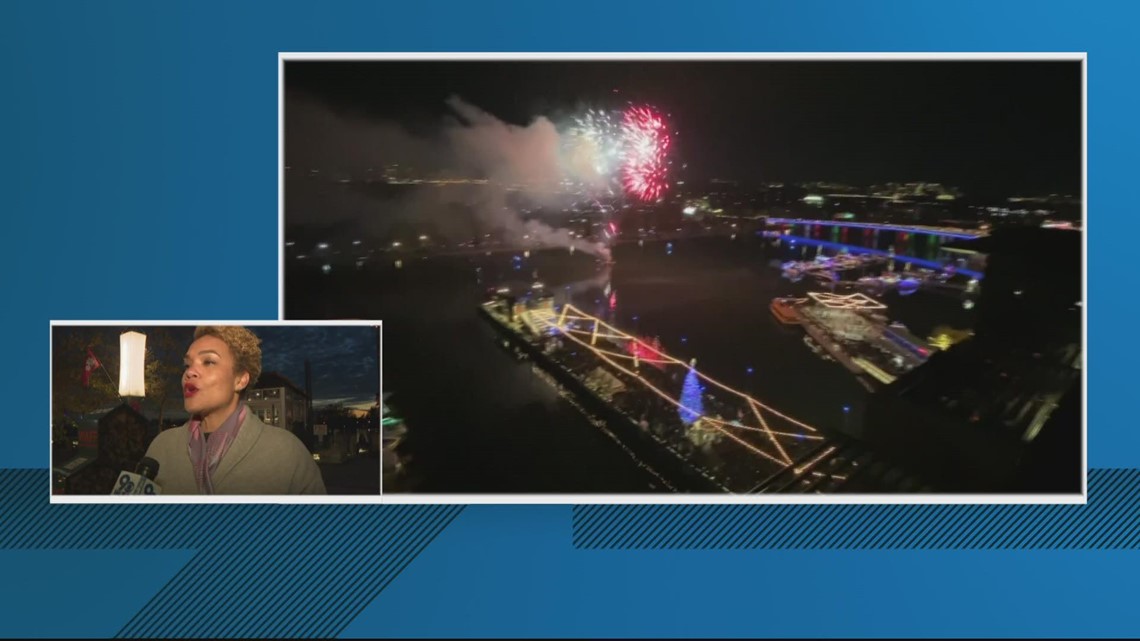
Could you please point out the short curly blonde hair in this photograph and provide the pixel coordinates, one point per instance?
(244, 344)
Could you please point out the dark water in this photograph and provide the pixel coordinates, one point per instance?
(480, 421)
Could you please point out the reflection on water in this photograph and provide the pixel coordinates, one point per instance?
(480, 420)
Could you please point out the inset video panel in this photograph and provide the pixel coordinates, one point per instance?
(215, 410)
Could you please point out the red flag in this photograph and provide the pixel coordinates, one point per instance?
(89, 366)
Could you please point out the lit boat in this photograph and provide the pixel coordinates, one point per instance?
(908, 286)
(785, 312)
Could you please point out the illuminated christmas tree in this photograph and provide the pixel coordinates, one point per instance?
(691, 396)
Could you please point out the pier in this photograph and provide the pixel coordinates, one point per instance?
(695, 433)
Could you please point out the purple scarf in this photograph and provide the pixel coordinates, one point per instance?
(205, 454)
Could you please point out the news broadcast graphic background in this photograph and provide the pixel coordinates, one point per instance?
(141, 166)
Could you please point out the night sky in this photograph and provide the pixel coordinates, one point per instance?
(345, 360)
(991, 128)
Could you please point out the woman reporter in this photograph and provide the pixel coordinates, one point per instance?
(225, 448)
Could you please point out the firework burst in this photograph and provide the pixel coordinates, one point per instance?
(646, 145)
(621, 148)
(597, 137)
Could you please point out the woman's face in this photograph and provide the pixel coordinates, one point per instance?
(209, 382)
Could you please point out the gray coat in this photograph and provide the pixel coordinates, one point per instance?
(262, 460)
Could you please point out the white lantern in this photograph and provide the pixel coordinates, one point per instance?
(132, 364)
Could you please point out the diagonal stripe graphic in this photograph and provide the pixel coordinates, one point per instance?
(1109, 520)
(299, 573)
(259, 570)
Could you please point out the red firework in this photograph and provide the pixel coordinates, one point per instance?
(646, 144)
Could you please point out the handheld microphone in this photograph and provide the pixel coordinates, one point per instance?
(141, 481)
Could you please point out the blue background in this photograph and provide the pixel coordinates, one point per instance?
(139, 169)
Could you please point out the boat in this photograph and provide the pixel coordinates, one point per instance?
(784, 310)
(908, 286)
(817, 349)
(875, 371)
